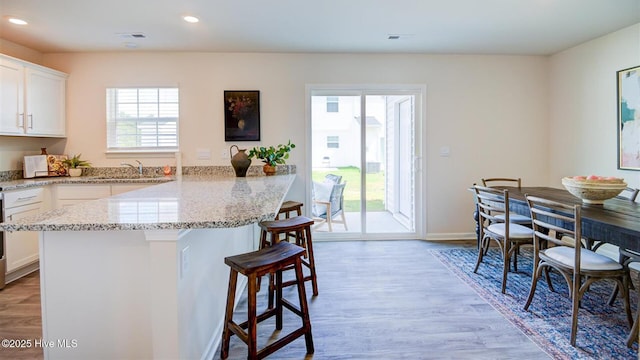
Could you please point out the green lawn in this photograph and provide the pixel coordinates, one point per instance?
(375, 187)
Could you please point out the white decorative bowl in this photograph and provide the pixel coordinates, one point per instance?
(594, 191)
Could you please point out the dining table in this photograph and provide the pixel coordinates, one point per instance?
(616, 221)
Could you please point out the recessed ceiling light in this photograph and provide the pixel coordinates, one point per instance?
(191, 19)
(17, 21)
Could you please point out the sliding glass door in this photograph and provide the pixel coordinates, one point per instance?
(370, 159)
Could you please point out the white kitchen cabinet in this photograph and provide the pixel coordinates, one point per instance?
(71, 194)
(21, 247)
(32, 99)
(123, 188)
(11, 97)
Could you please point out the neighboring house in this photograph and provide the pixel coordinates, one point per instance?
(335, 132)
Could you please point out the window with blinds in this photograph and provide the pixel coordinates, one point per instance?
(142, 119)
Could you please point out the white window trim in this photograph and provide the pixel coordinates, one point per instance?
(148, 152)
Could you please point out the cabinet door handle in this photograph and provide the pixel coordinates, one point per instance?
(21, 119)
(30, 121)
(26, 198)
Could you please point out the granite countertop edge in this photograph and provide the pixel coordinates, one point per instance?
(185, 202)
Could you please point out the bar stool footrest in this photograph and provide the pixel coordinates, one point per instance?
(277, 345)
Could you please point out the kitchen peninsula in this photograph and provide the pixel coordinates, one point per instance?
(141, 274)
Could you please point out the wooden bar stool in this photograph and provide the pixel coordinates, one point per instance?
(301, 227)
(288, 207)
(253, 265)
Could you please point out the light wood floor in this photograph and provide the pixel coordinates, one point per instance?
(20, 317)
(378, 300)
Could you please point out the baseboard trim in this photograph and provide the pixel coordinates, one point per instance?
(450, 236)
(22, 271)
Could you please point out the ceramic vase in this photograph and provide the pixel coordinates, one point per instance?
(75, 172)
(240, 161)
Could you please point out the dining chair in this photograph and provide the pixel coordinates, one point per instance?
(580, 267)
(629, 258)
(494, 224)
(493, 182)
(512, 182)
(629, 194)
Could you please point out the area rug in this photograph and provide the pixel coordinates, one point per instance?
(602, 329)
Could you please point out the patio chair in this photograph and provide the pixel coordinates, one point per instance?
(336, 179)
(579, 266)
(328, 203)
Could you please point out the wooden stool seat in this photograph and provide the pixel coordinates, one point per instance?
(285, 225)
(273, 259)
(290, 206)
(286, 209)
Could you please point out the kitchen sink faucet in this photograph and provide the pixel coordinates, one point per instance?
(139, 166)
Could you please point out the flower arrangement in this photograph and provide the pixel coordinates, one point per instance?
(272, 155)
(240, 106)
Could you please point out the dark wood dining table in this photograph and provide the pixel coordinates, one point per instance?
(617, 221)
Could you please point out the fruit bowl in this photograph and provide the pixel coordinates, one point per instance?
(594, 189)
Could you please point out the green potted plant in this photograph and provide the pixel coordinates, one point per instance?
(271, 156)
(75, 165)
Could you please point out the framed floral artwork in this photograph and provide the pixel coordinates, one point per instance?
(629, 119)
(242, 115)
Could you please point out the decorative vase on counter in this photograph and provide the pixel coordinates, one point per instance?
(240, 161)
(75, 172)
(269, 169)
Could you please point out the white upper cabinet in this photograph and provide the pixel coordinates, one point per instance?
(32, 99)
(11, 97)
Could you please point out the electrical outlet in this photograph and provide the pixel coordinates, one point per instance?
(224, 153)
(204, 154)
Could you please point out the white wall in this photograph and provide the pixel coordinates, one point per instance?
(478, 106)
(583, 106)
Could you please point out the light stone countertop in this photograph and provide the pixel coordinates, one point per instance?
(43, 181)
(188, 202)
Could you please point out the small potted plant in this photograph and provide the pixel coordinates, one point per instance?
(271, 156)
(75, 165)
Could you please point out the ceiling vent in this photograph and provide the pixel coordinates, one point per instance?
(399, 36)
(131, 35)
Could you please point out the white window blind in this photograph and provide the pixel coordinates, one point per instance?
(142, 119)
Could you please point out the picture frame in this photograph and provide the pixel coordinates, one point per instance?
(242, 115)
(628, 102)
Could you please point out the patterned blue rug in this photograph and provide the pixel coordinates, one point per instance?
(602, 329)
